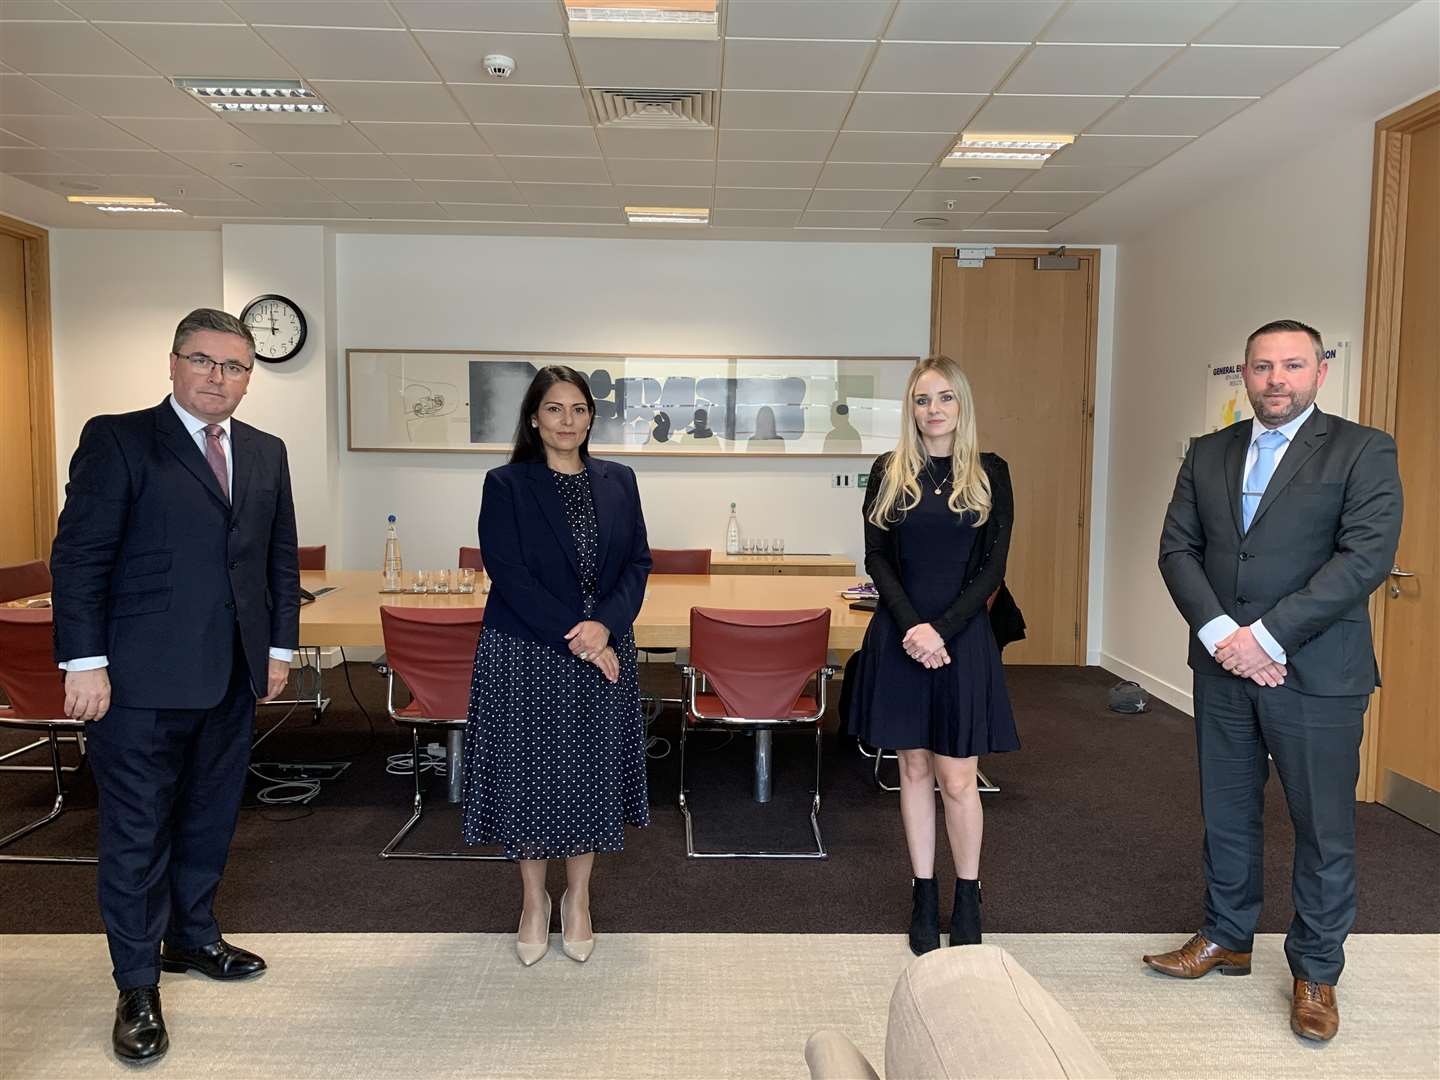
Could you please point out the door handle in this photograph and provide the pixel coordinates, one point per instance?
(1395, 571)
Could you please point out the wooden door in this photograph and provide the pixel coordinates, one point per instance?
(17, 444)
(1025, 339)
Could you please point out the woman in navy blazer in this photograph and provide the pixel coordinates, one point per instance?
(555, 743)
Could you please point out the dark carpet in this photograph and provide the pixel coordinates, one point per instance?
(1097, 828)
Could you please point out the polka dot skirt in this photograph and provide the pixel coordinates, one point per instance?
(554, 754)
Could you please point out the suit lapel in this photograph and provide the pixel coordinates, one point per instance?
(242, 463)
(602, 488)
(1234, 467)
(179, 442)
(543, 488)
(1308, 439)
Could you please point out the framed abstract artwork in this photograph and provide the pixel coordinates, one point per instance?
(431, 401)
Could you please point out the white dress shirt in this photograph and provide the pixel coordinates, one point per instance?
(196, 427)
(1222, 626)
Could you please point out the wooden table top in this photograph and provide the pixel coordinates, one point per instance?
(774, 563)
(351, 614)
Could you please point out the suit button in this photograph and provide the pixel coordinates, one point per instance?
(1244, 555)
(229, 605)
(234, 528)
(233, 564)
(1242, 600)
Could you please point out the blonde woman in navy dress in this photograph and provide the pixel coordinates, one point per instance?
(929, 684)
(555, 752)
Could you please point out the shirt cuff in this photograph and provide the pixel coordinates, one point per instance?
(85, 663)
(282, 654)
(1216, 631)
(1267, 642)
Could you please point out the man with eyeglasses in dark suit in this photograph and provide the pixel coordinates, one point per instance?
(176, 602)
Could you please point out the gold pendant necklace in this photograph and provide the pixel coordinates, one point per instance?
(931, 477)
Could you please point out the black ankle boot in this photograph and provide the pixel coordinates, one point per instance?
(924, 916)
(965, 918)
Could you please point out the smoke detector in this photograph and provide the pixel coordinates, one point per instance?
(499, 65)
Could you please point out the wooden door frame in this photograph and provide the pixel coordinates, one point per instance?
(1090, 261)
(36, 243)
(1384, 288)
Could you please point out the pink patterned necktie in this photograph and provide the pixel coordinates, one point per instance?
(215, 455)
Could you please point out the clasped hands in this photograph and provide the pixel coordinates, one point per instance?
(925, 646)
(590, 641)
(1243, 656)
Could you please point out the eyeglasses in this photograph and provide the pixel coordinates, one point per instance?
(202, 364)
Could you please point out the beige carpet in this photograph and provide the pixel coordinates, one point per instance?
(343, 1006)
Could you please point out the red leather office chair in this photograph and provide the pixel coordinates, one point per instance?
(470, 559)
(432, 650)
(758, 666)
(312, 557)
(679, 560)
(23, 579)
(36, 689)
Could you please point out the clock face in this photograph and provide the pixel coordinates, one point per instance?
(278, 327)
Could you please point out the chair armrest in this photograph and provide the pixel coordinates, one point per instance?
(831, 1056)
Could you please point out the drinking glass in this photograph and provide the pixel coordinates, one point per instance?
(440, 581)
(421, 583)
(777, 545)
(747, 546)
(465, 580)
(762, 546)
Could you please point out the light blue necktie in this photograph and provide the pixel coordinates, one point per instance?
(1260, 473)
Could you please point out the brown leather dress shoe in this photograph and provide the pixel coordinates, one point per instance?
(1314, 1013)
(1199, 957)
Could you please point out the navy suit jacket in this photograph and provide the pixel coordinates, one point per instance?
(530, 554)
(154, 570)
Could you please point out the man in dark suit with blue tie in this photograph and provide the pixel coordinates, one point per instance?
(176, 602)
(1279, 530)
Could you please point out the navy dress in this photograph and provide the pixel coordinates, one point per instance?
(554, 752)
(961, 709)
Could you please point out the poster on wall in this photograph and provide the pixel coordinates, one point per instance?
(1226, 401)
(439, 400)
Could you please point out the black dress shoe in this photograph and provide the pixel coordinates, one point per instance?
(139, 1033)
(220, 960)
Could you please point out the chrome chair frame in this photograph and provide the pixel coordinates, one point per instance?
(52, 729)
(983, 783)
(721, 723)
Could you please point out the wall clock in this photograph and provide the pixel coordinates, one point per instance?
(278, 326)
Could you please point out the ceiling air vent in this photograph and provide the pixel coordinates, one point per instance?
(656, 109)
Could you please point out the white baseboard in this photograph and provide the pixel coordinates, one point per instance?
(1183, 700)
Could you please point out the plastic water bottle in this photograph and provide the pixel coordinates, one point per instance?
(393, 568)
(732, 534)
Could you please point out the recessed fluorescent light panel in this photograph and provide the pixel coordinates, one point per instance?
(271, 100)
(667, 215)
(124, 204)
(683, 19)
(981, 150)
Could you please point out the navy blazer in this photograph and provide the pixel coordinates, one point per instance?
(530, 555)
(156, 571)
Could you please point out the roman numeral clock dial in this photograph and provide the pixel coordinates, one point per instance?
(278, 327)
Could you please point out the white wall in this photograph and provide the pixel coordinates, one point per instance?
(1290, 242)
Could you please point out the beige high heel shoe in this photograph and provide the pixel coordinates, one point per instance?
(530, 954)
(578, 950)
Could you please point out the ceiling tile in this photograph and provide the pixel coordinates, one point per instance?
(541, 140)
(62, 132)
(1168, 116)
(314, 211)
(477, 212)
(522, 104)
(765, 219)
(171, 11)
(806, 18)
(949, 178)
(350, 13)
(311, 138)
(448, 166)
(585, 215)
(1018, 221)
(794, 65)
(391, 191)
(9, 138)
(21, 95)
(372, 55)
(119, 95)
(896, 146)
(567, 170)
(948, 223)
(1119, 150)
(198, 50)
(345, 166)
(563, 194)
(634, 195)
(874, 111)
(170, 188)
(425, 138)
(539, 59)
(658, 172)
(474, 191)
(940, 69)
(767, 174)
(626, 63)
(1300, 22)
(760, 198)
(285, 189)
(771, 109)
(843, 219)
(394, 101)
(1056, 178)
(1232, 70)
(836, 199)
(224, 165)
(934, 202)
(401, 211)
(974, 20)
(213, 207)
(73, 48)
(201, 133)
(89, 183)
(775, 145)
(136, 162)
(846, 175)
(635, 143)
(1034, 202)
(1051, 113)
(1086, 69)
(506, 16)
(49, 10)
(1126, 21)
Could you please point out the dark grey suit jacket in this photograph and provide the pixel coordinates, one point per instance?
(1322, 540)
